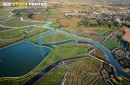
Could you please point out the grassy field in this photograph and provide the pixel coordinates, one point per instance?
(12, 33)
(79, 72)
(55, 25)
(22, 14)
(74, 27)
(104, 31)
(106, 43)
(18, 32)
(4, 12)
(54, 11)
(68, 22)
(125, 82)
(39, 36)
(54, 77)
(36, 31)
(112, 42)
(56, 38)
(16, 22)
(83, 72)
(16, 35)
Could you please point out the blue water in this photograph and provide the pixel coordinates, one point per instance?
(109, 55)
(21, 58)
(58, 43)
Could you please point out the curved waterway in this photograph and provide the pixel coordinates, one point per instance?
(109, 55)
(19, 59)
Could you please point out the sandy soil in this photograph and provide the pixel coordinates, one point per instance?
(67, 22)
(100, 54)
(127, 34)
(39, 17)
(93, 37)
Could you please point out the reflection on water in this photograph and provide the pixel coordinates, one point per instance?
(21, 58)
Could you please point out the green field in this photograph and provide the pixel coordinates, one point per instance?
(54, 12)
(12, 33)
(54, 77)
(125, 81)
(56, 38)
(55, 25)
(104, 31)
(112, 42)
(18, 32)
(106, 43)
(76, 73)
(16, 22)
(15, 35)
(36, 31)
(4, 12)
(22, 14)
(84, 72)
(39, 36)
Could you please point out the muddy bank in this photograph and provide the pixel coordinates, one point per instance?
(126, 37)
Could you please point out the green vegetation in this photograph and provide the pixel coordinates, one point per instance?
(125, 82)
(18, 32)
(21, 14)
(12, 33)
(54, 77)
(54, 12)
(39, 36)
(37, 31)
(11, 41)
(64, 51)
(45, 13)
(106, 43)
(84, 71)
(4, 12)
(5, 82)
(16, 22)
(112, 42)
(108, 67)
(56, 38)
(55, 25)
(16, 35)
(74, 27)
(104, 31)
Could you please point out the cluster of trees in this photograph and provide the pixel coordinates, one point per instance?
(83, 23)
(100, 22)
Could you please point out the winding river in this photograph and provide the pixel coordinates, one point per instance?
(109, 55)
